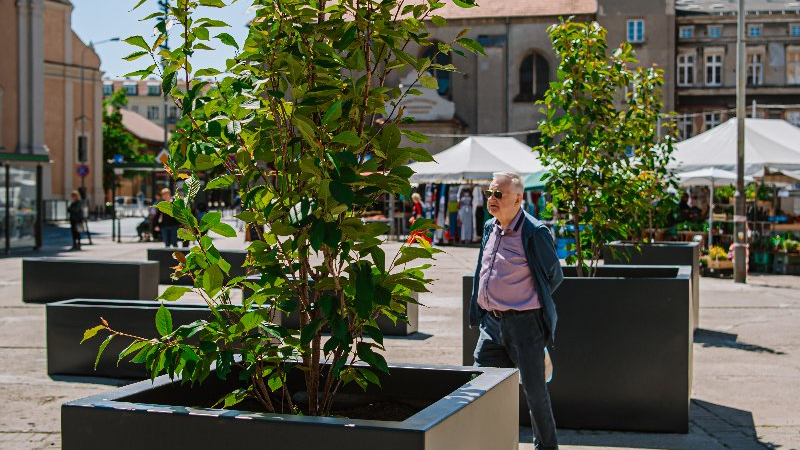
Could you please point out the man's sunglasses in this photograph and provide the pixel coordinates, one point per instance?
(497, 194)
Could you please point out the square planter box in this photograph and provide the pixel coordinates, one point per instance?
(623, 353)
(67, 320)
(389, 328)
(52, 279)
(465, 408)
(165, 260)
(660, 254)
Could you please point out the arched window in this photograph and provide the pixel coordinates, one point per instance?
(534, 78)
(443, 77)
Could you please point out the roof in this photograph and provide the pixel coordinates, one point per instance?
(731, 6)
(141, 128)
(518, 8)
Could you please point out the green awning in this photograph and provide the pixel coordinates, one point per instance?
(536, 181)
(24, 158)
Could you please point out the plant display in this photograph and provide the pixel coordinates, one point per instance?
(291, 121)
(600, 139)
(791, 245)
(717, 253)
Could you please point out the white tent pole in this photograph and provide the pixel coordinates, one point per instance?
(711, 216)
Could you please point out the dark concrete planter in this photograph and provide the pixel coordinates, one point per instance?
(623, 354)
(67, 320)
(389, 328)
(462, 413)
(660, 254)
(165, 260)
(52, 279)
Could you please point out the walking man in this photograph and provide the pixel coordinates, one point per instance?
(512, 305)
(165, 224)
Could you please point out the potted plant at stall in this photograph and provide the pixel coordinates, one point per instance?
(763, 250)
(787, 258)
(291, 122)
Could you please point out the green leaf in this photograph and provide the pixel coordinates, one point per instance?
(220, 182)
(428, 82)
(464, 3)
(167, 208)
(251, 320)
(91, 332)
(471, 45)
(439, 21)
(212, 279)
(138, 41)
(173, 293)
(308, 331)
(347, 137)
(136, 345)
(341, 192)
(209, 220)
(333, 113)
(207, 72)
(415, 136)
(227, 39)
(163, 320)
(375, 360)
(135, 55)
(223, 229)
(212, 3)
(102, 349)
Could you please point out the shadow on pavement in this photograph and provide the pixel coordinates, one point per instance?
(114, 382)
(418, 336)
(711, 427)
(709, 338)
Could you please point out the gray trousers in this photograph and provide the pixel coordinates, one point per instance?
(518, 341)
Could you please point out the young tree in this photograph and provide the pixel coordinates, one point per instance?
(116, 139)
(292, 120)
(607, 162)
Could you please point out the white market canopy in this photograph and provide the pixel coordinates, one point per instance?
(709, 177)
(475, 159)
(769, 143)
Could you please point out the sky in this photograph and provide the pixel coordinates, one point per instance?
(98, 20)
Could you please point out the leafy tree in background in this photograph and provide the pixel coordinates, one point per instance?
(116, 139)
(292, 121)
(607, 162)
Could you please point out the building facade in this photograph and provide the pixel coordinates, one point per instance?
(705, 62)
(43, 117)
(145, 99)
(496, 93)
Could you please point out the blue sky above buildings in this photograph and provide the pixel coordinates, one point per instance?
(98, 20)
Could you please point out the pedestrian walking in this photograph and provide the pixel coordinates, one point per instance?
(75, 211)
(165, 224)
(512, 302)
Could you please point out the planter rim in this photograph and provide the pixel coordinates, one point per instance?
(653, 244)
(89, 261)
(122, 303)
(684, 272)
(422, 421)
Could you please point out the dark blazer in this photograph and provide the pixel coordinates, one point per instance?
(545, 266)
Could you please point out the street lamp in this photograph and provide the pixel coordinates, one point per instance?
(83, 146)
(739, 214)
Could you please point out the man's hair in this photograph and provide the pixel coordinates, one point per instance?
(513, 179)
(166, 191)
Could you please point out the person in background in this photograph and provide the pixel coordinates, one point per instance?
(416, 208)
(512, 303)
(75, 211)
(165, 224)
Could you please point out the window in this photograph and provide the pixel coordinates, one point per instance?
(442, 77)
(636, 30)
(715, 31)
(152, 112)
(173, 112)
(793, 65)
(712, 120)
(135, 108)
(755, 69)
(153, 90)
(685, 70)
(108, 89)
(685, 127)
(534, 78)
(754, 31)
(131, 89)
(714, 69)
(794, 30)
(686, 32)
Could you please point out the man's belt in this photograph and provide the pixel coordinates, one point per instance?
(511, 312)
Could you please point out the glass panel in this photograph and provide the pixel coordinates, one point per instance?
(18, 200)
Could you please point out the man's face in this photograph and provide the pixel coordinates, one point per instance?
(507, 205)
(166, 196)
